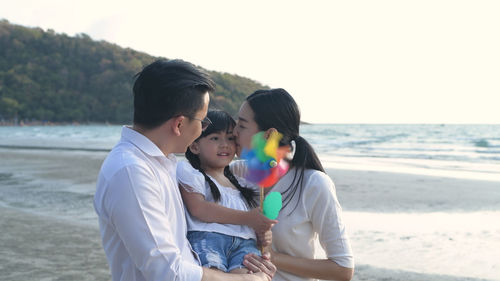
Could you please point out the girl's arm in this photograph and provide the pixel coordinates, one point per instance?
(311, 268)
(207, 211)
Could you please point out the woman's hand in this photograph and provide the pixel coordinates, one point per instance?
(260, 223)
(256, 264)
(271, 253)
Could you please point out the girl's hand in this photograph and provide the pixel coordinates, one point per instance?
(256, 264)
(260, 223)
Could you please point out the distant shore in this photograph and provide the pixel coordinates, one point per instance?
(23, 123)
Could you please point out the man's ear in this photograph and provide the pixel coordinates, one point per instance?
(268, 132)
(177, 124)
(194, 147)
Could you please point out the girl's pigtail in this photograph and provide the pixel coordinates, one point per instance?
(213, 188)
(194, 160)
(247, 193)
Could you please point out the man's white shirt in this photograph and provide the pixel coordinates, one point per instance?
(141, 214)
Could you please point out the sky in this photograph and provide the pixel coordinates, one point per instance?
(343, 61)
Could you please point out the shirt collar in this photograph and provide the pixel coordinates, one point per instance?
(143, 143)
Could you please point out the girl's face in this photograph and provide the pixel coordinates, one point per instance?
(246, 127)
(215, 150)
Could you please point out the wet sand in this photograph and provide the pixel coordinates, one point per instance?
(41, 247)
(36, 247)
(370, 191)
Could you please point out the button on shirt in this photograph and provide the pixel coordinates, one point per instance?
(141, 214)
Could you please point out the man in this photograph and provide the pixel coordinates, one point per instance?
(141, 214)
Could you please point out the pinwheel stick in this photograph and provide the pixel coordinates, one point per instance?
(265, 167)
(261, 199)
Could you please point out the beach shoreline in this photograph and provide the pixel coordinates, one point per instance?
(36, 247)
(41, 246)
(73, 252)
(393, 192)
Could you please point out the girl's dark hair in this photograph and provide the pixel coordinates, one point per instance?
(277, 109)
(221, 121)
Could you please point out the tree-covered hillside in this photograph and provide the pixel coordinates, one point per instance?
(45, 76)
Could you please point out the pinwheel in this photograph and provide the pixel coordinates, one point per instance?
(265, 168)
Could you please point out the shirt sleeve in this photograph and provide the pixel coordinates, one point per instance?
(137, 209)
(190, 178)
(326, 217)
(238, 168)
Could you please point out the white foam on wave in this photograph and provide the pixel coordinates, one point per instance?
(429, 167)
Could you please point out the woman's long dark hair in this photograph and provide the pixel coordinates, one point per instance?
(277, 109)
(221, 122)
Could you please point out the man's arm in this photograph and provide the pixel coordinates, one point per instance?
(136, 206)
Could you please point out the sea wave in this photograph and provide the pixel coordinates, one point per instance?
(470, 143)
(482, 143)
(54, 148)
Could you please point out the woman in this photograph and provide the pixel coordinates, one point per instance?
(310, 205)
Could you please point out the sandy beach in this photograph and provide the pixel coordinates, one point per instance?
(398, 192)
(38, 247)
(44, 243)
(72, 252)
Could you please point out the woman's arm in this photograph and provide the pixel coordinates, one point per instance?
(208, 211)
(325, 215)
(311, 268)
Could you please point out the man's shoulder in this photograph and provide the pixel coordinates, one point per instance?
(121, 156)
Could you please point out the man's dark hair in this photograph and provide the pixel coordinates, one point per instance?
(169, 88)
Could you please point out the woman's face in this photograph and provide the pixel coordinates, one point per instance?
(246, 127)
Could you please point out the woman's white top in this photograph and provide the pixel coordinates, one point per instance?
(193, 180)
(317, 215)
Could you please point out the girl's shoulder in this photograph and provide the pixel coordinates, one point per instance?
(184, 167)
(188, 175)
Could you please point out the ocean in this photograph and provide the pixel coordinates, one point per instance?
(458, 151)
(434, 208)
(470, 151)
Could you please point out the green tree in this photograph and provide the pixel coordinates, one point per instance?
(55, 77)
(9, 108)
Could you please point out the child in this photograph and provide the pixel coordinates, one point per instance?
(220, 222)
